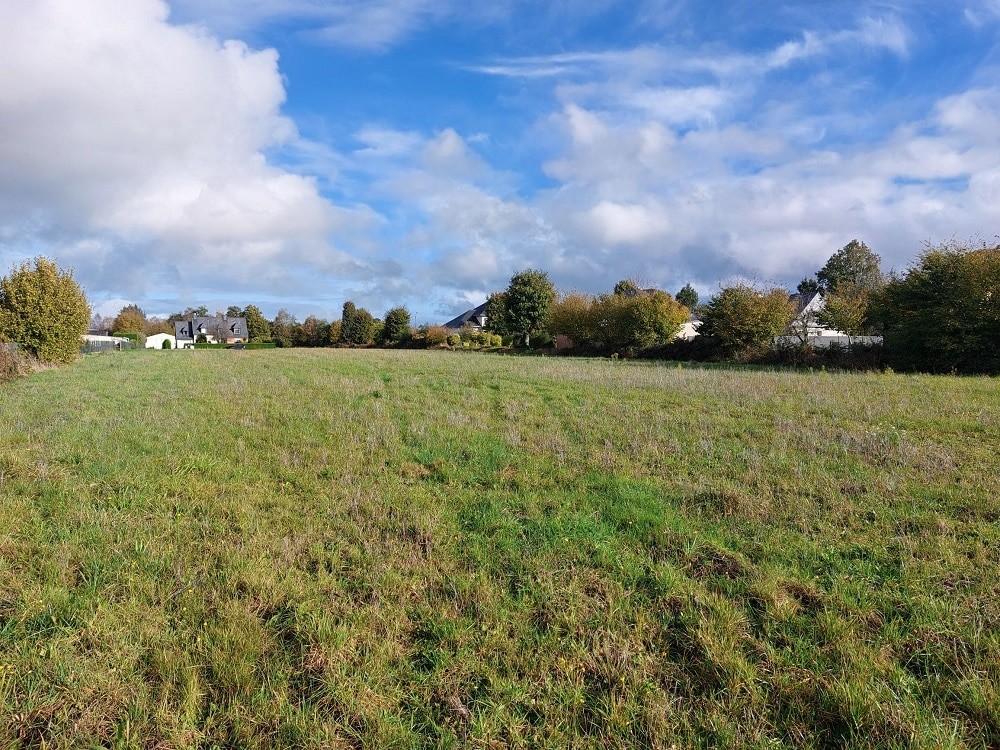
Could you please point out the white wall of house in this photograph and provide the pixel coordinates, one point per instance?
(156, 341)
(689, 330)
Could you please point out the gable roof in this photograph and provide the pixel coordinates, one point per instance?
(811, 301)
(474, 316)
(230, 328)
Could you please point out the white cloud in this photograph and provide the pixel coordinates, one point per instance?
(150, 139)
(628, 224)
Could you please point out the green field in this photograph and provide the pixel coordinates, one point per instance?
(334, 548)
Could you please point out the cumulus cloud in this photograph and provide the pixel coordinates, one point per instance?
(717, 192)
(150, 139)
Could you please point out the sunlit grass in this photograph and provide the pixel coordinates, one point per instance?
(419, 549)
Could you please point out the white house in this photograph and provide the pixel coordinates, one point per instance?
(474, 318)
(806, 327)
(219, 329)
(689, 330)
(156, 341)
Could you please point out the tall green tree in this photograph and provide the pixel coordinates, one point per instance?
(527, 301)
(688, 297)
(944, 313)
(808, 286)
(626, 288)
(283, 329)
(43, 310)
(397, 326)
(496, 314)
(346, 320)
(258, 329)
(357, 327)
(854, 264)
(741, 321)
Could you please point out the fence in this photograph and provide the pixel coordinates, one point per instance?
(95, 344)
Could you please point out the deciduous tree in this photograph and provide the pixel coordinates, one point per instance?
(130, 319)
(358, 327)
(526, 303)
(43, 310)
(626, 288)
(741, 320)
(855, 264)
(397, 326)
(944, 314)
(258, 329)
(283, 329)
(571, 316)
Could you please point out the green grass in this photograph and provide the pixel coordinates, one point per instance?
(344, 548)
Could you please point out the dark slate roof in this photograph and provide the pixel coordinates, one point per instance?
(802, 300)
(234, 328)
(465, 317)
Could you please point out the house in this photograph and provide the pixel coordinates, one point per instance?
(806, 324)
(806, 327)
(474, 318)
(689, 330)
(215, 330)
(156, 341)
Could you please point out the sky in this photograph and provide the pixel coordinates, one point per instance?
(299, 153)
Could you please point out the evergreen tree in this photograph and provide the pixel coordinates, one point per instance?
(688, 297)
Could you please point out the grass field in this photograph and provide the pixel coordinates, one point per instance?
(332, 548)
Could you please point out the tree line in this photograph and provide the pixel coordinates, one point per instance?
(941, 315)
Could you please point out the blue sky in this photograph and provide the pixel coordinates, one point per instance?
(297, 153)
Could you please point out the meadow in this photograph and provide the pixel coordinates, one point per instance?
(408, 549)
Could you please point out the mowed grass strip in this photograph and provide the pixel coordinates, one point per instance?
(411, 549)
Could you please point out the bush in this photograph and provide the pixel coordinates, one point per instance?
(166, 344)
(742, 322)
(620, 321)
(454, 339)
(435, 335)
(476, 338)
(12, 364)
(944, 315)
(572, 316)
(43, 311)
(542, 340)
